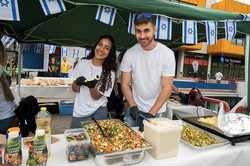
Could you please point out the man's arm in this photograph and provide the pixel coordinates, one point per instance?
(126, 89)
(166, 83)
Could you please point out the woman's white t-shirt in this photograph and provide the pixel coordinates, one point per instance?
(84, 104)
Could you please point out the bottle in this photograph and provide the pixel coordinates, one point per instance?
(40, 152)
(31, 161)
(43, 119)
(15, 129)
(13, 152)
(1, 159)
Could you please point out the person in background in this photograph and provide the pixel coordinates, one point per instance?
(152, 68)
(75, 63)
(195, 75)
(53, 67)
(182, 96)
(91, 96)
(218, 76)
(7, 104)
(115, 101)
(65, 66)
(9, 70)
(16, 66)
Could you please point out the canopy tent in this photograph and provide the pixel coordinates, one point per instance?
(78, 27)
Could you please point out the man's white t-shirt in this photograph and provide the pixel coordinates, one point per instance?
(84, 104)
(218, 76)
(147, 68)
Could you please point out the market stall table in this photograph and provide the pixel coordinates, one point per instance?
(226, 155)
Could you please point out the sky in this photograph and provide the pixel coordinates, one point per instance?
(242, 1)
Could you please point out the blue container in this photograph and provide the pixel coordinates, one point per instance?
(66, 107)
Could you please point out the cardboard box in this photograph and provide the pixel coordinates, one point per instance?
(66, 107)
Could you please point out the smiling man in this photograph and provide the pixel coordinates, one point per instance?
(152, 68)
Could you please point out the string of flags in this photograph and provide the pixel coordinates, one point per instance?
(6, 39)
(106, 14)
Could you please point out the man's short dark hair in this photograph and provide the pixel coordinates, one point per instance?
(144, 18)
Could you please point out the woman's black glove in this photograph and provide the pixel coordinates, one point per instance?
(80, 81)
(141, 127)
(90, 84)
(182, 97)
(134, 113)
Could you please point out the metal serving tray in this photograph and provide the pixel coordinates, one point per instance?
(127, 157)
(220, 139)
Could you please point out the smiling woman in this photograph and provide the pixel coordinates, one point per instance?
(91, 96)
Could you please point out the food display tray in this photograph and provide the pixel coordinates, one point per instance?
(127, 157)
(220, 139)
(215, 130)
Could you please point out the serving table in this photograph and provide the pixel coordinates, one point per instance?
(226, 155)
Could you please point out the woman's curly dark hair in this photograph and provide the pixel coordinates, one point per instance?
(108, 65)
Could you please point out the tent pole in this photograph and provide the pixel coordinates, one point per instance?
(247, 67)
(21, 47)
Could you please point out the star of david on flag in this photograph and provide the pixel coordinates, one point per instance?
(106, 15)
(246, 17)
(64, 51)
(131, 23)
(230, 30)
(52, 6)
(9, 10)
(211, 29)
(11, 42)
(164, 28)
(75, 53)
(5, 39)
(189, 32)
(52, 49)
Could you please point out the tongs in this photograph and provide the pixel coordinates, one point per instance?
(107, 136)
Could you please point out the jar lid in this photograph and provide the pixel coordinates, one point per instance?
(43, 108)
(40, 132)
(13, 134)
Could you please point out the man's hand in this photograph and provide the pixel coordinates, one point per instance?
(182, 97)
(134, 113)
(141, 127)
(80, 81)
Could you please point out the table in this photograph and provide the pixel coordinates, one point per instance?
(182, 111)
(226, 155)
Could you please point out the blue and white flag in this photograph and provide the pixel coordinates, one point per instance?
(230, 29)
(10, 42)
(64, 51)
(211, 29)
(52, 49)
(75, 53)
(87, 53)
(246, 17)
(131, 23)
(52, 6)
(189, 32)
(9, 10)
(39, 48)
(106, 15)
(5, 39)
(117, 53)
(164, 28)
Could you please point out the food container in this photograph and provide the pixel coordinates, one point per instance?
(221, 141)
(77, 144)
(165, 137)
(128, 157)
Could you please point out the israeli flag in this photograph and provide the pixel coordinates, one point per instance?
(189, 32)
(230, 29)
(11, 42)
(64, 51)
(75, 53)
(164, 28)
(9, 10)
(131, 23)
(52, 6)
(106, 15)
(117, 53)
(5, 39)
(52, 49)
(87, 53)
(211, 29)
(246, 17)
